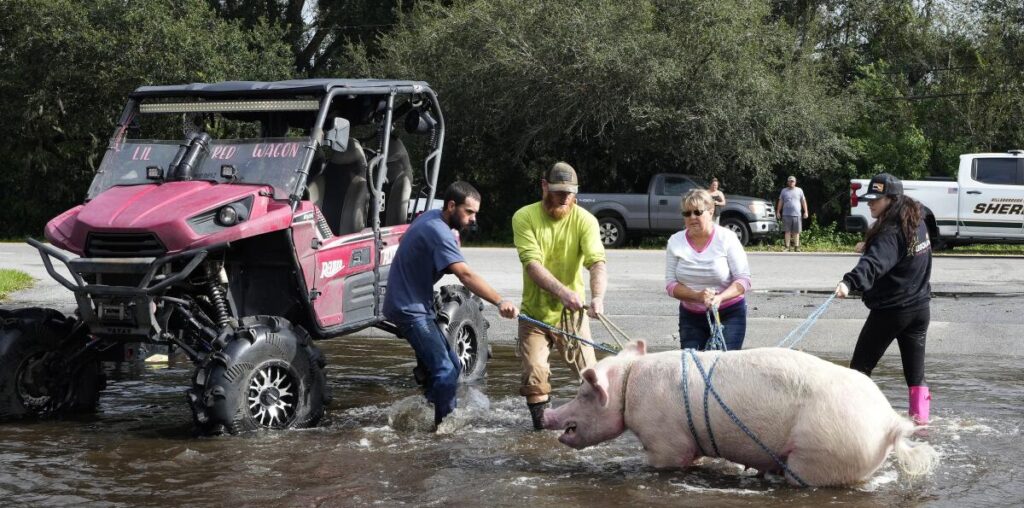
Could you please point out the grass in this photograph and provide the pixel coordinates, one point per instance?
(986, 250)
(13, 280)
(814, 238)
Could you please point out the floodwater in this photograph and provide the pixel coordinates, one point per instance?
(139, 449)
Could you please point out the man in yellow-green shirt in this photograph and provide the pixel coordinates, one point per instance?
(555, 238)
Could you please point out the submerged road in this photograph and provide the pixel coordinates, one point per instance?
(976, 310)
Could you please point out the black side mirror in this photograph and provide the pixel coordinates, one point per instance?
(336, 138)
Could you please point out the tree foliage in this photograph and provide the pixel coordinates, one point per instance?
(745, 90)
(929, 80)
(621, 90)
(67, 67)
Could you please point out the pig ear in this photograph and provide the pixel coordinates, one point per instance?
(637, 347)
(599, 384)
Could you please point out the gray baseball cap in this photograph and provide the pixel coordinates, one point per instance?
(562, 178)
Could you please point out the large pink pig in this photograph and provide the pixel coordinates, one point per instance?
(829, 424)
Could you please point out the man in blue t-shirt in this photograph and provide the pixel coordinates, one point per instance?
(427, 251)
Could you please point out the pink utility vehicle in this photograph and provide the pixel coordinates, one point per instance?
(237, 222)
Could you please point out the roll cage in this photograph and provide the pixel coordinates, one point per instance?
(357, 101)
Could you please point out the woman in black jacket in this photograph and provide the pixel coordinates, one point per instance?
(893, 274)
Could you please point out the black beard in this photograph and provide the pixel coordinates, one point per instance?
(454, 224)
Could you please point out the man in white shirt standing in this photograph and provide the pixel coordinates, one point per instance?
(792, 206)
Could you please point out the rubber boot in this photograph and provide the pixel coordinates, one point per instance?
(537, 413)
(920, 404)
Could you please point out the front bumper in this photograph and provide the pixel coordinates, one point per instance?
(763, 228)
(122, 312)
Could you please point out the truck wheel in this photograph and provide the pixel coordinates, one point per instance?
(269, 376)
(937, 243)
(460, 317)
(737, 226)
(613, 232)
(38, 376)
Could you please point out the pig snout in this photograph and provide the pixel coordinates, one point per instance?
(549, 419)
(553, 419)
(561, 419)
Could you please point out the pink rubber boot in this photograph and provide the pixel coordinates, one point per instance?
(920, 403)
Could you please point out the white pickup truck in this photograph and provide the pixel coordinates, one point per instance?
(985, 204)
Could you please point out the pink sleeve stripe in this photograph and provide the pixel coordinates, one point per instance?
(671, 288)
(745, 282)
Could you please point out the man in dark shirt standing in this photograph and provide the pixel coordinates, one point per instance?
(427, 251)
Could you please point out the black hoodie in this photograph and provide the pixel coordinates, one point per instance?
(893, 274)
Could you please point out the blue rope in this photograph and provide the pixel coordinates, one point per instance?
(801, 330)
(603, 347)
(716, 342)
(707, 381)
(686, 403)
(707, 413)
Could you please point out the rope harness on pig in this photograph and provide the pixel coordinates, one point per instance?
(709, 389)
(625, 383)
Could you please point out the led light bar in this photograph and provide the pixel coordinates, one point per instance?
(229, 106)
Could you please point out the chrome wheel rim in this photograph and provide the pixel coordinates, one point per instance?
(465, 348)
(609, 233)
(272, 396)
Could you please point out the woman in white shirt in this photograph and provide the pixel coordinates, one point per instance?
(705, 267)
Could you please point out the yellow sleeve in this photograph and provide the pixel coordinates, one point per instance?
(590, 241)
(524, 238)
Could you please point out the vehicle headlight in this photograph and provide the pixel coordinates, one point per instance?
(216, 219)
(227, 216)
(758, 208)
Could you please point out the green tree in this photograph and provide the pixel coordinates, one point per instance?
(66, 68)
(320, 33)
(928, 80)
(620, 89)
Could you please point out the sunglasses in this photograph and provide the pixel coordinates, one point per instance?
(694, 213)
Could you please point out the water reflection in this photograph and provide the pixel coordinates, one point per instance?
(375, 448)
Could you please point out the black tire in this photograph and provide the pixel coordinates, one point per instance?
(460, 317)
(613, 232)
(269, 376)
(738, 226)
(937, 243)
(38, 377)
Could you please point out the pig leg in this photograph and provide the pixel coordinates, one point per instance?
(666, 448)
(772, 467)
(819, 462)
(670, 459)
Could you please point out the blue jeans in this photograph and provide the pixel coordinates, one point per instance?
(436, 356)
(694, 332)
